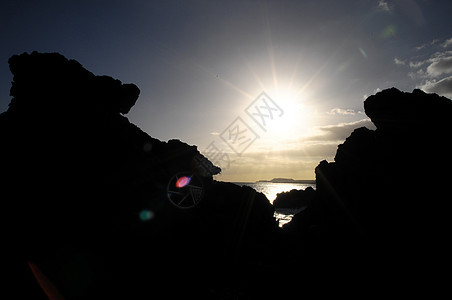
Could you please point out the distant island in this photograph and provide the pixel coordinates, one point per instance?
(287, 180)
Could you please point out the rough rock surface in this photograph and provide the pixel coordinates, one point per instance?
(85, 196)
(382, 207)
(294, 199)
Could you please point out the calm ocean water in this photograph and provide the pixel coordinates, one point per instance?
(271, 189)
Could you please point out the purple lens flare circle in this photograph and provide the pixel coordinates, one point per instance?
(185, 190)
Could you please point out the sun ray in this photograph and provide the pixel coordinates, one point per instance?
(256, 77)
(270, 50)
(234, 87)
(190, 63)
(313, 77)
(272, 62)
(295, 70)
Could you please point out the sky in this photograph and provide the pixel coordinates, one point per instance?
(264, 88)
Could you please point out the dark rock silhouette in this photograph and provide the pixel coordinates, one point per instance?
(398, 111)
(51, 83)
(294, 199)
(77, 176)
(382, 207)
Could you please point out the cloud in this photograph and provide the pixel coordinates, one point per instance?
(440, 65)
(338, 133)
(365, 96)
(447, 43)
(341, 111)
(432, 73)
(419, 74)
(297, 161)
(383, 6)
(442, 87)
(279, 167)
(417, 64)
(427, 44)
(297, 158)
(398, 61)
(302, 152)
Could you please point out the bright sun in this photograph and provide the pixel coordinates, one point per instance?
(296, 118)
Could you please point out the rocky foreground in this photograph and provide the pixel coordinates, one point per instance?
(89, 201)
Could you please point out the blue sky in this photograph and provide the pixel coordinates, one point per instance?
(200, 64)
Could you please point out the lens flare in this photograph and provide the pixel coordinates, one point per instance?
(146, 215)
(389, 32)
(183, 181)
(363, 53)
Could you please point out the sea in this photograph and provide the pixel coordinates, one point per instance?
(271, 189)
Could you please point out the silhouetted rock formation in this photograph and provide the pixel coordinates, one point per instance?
(403, 112)
(383, 205)
(46, 83)
(294, 199)
(76, 176)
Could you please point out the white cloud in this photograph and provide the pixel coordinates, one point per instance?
(417, 64)
(399, 61)
(440, 65)
(447, 43)
(434, 66)
(420, 47)
(418, 74)
(426, 45)
(341, 111)
(442, 87)
(383, 5)
(339, 132)
(365, 96)
(435, 70)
